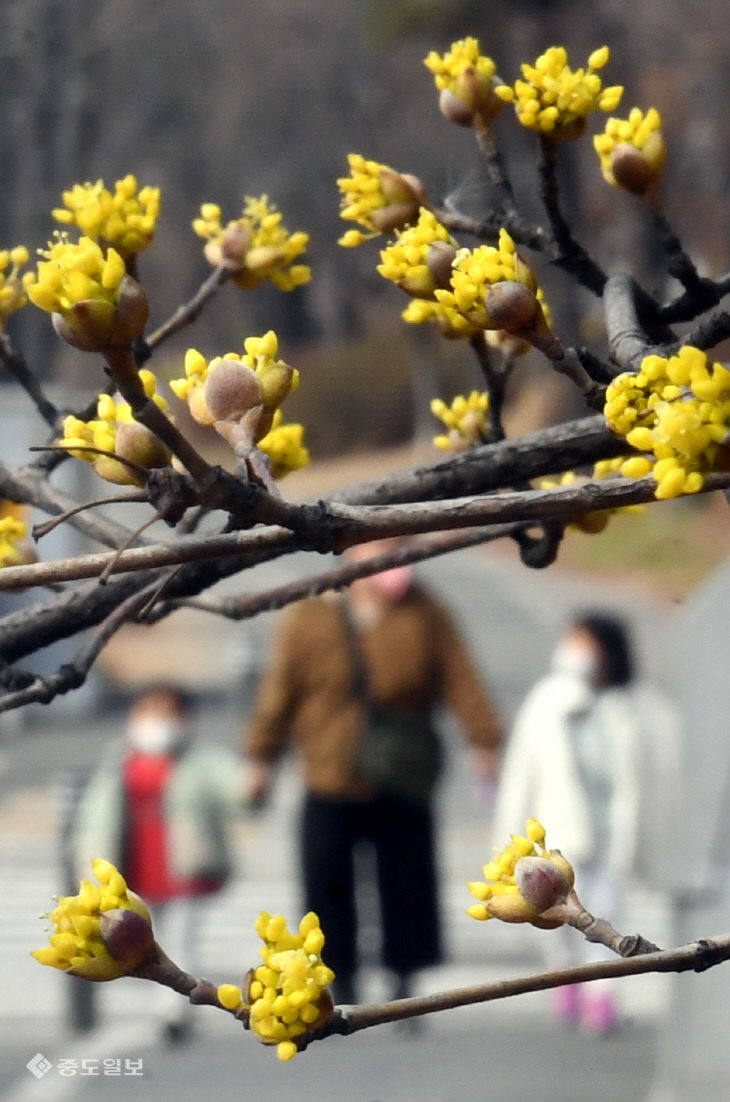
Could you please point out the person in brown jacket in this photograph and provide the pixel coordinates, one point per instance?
(387, 644)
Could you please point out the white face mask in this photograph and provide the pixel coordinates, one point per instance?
(574, 661)
(154, 734)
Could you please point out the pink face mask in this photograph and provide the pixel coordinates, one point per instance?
(392, 584)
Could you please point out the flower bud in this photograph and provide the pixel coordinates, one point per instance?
(542, 883)
(231, 390)
(511, 306)
(439, 261)
(94, 324)
(136, 443)
(394, 217)
(127, 936)
(635, 169)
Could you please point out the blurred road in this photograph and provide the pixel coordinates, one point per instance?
(513, 1051)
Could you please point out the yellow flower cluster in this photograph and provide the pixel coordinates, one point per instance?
(413, 263)
(555, 99)
(115, 431)
(467, 82)
(378, 198)
(284, 445)
(288, 992)
(632, 151)
(13, 531)
(73, 272)
(80, 923)
(500, 895)
(475, 271)
(465, 419)
(255, 247)
(13, 286)
(265, 384)
(677, 411)
(125, 219)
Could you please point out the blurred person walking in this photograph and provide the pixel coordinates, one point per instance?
(352, 688)
(591, 757)
(159, 809)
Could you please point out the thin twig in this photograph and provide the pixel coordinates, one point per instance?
(189, 311)
(18, 368)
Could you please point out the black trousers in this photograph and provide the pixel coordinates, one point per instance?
(402, 839)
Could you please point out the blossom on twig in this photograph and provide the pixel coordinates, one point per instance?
(125, 219)
(284, 445)
(465, 419)
(554, 99)
(254, 247)
(467, 82)
(493, 288)
(377, 198)
(116, 432)
(526, 882)
(13, 286)
(632, 151)
(676, 411)
(288, 994)
(94, 303)
(235, 388)
(102, 933)
(14, 551)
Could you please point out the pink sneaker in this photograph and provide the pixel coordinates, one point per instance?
(566, 1003)
(600, 1015)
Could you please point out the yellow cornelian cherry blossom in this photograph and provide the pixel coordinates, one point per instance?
(284, 445)
(125, 218)
(465, 419)
(476, 271)
(115, 431)
(93, 935)
(420, 258)
(632, 151)
(14, 551)
(287, 994)
(218, 390)
(468, 84)
(515, 891)
(450, 323)
(378, 198)
(81, 285)
(555, 99)
(13, 286)
(254, 247)
(676, 411)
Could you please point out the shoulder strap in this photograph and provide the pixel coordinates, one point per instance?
(360, 679)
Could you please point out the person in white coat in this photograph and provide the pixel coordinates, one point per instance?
(575, 760)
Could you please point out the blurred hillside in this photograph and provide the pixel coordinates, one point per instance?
(213, 101)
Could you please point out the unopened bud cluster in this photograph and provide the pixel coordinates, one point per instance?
(526, 882)
(288, 993)
(676, 411)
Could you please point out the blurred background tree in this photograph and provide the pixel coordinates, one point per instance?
(214, 101)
